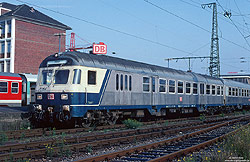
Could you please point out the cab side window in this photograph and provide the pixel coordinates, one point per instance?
(91, 77)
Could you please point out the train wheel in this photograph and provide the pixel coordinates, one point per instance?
(88, 120)
(112, 118)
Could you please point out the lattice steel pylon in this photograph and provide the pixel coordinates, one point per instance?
(214, 68)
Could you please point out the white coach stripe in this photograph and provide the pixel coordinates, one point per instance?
(10, 101)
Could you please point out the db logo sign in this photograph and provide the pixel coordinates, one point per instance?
(100, 48)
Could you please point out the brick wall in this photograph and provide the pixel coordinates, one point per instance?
(33, 43)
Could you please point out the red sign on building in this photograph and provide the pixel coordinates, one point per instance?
(100, 48)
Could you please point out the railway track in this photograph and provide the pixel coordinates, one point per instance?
(20, 134)
(78, 144)
(170, 149)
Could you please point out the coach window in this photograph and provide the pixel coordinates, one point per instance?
(117, 82)
(3, 87)
(233, 91)
(208, 89)
(202, 87)
(218, 90)
(153, 84)
(126, 82)
(171, 88)
(121, 82)
(77, 76)
(230, 91)
(221, 88)
(213, 90)
(195, 88)
(14, 87)
(188, 88)
(91, 77)
(130, 83)
(240, 92)
(162, 87)
(236, 91)
(146, 84)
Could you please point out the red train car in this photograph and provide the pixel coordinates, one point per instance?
(10, 89)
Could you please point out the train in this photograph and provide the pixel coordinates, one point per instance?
(81, 89)
(17, 90)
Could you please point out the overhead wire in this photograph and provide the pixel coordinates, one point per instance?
(220, 14)
(147, 1)
(241, 16)
(108, 28)
(234, 24)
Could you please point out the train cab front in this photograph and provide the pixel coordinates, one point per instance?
(56, 79)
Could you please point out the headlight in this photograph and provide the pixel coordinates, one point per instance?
(38, 107)
(50, 109)
(66, 107)
(39, 96)
(64, 96)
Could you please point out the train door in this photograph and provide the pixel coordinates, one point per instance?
(153, 95)
(32, 92)
(24, 90)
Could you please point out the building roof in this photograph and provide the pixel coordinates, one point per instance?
(8, 6)
(25, 12)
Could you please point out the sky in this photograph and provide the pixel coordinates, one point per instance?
(151, 31)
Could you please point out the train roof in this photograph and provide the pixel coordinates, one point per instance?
(114, 63)
(9, 74)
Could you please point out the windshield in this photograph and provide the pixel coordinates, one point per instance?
(59, 77)
(46, 77)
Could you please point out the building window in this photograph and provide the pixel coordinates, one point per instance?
(3, 87)
(188, 87)
(162, 85)
(195, 88)
(202, 87)
(9, 28)
(121, 82)
(208, 89)
(117, 82)
(145, 84)
(8, 49)
(130, 83)
(91, 77)
(171, 88)
(2, 49)
(2, 25)
(7, 66)
(213, 90)
(77, 76)
(14, 87)
(126, 82)
(1, 66)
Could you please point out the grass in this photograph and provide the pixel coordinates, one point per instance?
(234, 147)
(132, 123)
(12, 121)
